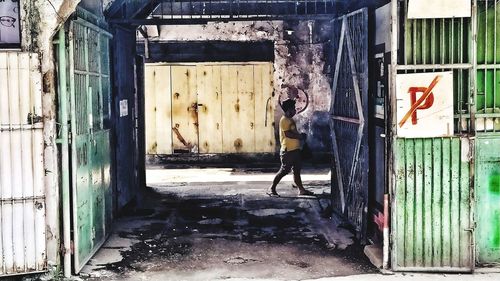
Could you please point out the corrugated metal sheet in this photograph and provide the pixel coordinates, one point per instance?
(22, 197)
(431, 217)
(487, 177)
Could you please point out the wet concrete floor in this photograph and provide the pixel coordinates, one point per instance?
(228, 229)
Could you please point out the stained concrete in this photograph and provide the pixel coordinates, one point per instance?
(228, 229)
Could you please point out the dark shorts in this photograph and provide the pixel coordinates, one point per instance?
(291, 159)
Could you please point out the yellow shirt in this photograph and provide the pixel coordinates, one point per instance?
(288, 144)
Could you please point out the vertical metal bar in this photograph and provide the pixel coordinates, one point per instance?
(442, 33)
(393, 120)
(433, 42)
(452, 39)
(424, 41)
(182, 12)
(407, 35)
(461, 80)
(485, 108)
(473, 76)
(414, 43)
(38, 170)
(495, 62)
(211, 9)
(190, 9)
(75, 127)
(63, 102)
(172, 2)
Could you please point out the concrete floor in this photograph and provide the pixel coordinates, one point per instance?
(214, 224)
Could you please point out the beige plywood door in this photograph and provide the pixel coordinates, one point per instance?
(209, 108)
(238, 112)
(184, 109)
(264, 108)
(158, 102)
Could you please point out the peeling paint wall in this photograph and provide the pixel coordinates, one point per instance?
(300, 54)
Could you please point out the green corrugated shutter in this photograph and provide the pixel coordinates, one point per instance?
(431, 219)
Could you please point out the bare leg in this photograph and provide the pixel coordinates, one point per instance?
(298, 182)
(281, 173)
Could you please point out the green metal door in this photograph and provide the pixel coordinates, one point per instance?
(431, 221)
(487, 101)
(488, 199)
(90, 146)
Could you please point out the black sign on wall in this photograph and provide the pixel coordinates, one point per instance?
(10, 28)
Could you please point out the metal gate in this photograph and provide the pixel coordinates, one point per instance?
(89, 76)
(349, 112)
(22, 194)
(432, 226)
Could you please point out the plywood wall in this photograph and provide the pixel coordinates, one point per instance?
(209, 108)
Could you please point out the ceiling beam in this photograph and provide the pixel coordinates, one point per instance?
(188, 21)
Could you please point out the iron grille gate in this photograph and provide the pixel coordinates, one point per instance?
(349, 118)
(89, 81)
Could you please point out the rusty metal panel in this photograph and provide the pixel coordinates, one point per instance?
(22, 194)
(264, 108)
(209, 108)
(158, 102)
(184, 109)
(431, 217)
(487, 177)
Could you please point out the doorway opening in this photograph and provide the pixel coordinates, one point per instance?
(196, 104)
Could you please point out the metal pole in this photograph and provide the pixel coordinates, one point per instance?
(63, 105)
(393, 121)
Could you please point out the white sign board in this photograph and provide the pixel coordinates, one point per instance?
(9, 22)
(424, 104)
(123, 108)
(429, 9)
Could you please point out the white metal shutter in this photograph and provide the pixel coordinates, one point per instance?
(22, 197)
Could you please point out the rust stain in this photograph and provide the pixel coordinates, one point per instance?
(238, 144)
(180, 138)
